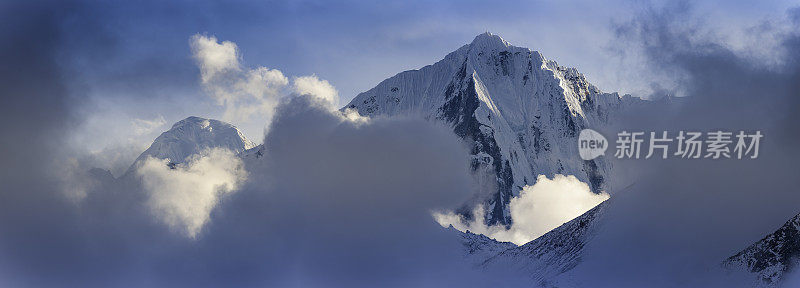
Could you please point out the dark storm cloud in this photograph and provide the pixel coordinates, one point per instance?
(349, 205)
(681, 218)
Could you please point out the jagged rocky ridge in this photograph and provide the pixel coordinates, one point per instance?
(520, 112)
(545, 258)
(479, 248)
(773, 257)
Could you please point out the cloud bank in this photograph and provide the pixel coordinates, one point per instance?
(331, 203)
(692, 215)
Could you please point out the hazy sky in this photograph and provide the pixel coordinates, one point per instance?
(132, 60)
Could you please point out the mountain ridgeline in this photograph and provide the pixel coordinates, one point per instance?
(773, 257)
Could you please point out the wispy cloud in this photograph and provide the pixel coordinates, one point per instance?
(246, 94)
(249, 95)
(144, 126)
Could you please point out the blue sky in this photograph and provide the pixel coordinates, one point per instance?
(133, 60)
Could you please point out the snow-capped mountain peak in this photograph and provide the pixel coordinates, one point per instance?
(520, 112)
(192, 135)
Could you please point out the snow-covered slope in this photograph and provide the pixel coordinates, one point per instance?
(555, 252)
(773, 257)
(520, 112)
(479, 248)
(190, 136)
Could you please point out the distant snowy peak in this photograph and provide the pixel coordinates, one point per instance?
(520, 112)
(773, 257)
(192, 135)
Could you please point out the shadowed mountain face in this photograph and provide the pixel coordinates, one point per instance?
(773, 257)
(519, 112)
(555, 252)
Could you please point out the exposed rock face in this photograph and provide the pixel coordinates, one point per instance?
(479, 248)
(520, 113)
(773, 257)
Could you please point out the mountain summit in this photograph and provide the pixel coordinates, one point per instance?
(192, 135)
(489, 40)
(520, 113)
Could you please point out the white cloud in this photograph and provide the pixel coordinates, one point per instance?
(183, 197)
(321, 89)
(352, 115)
(213, 57)
(249, 96)
(537, 210)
